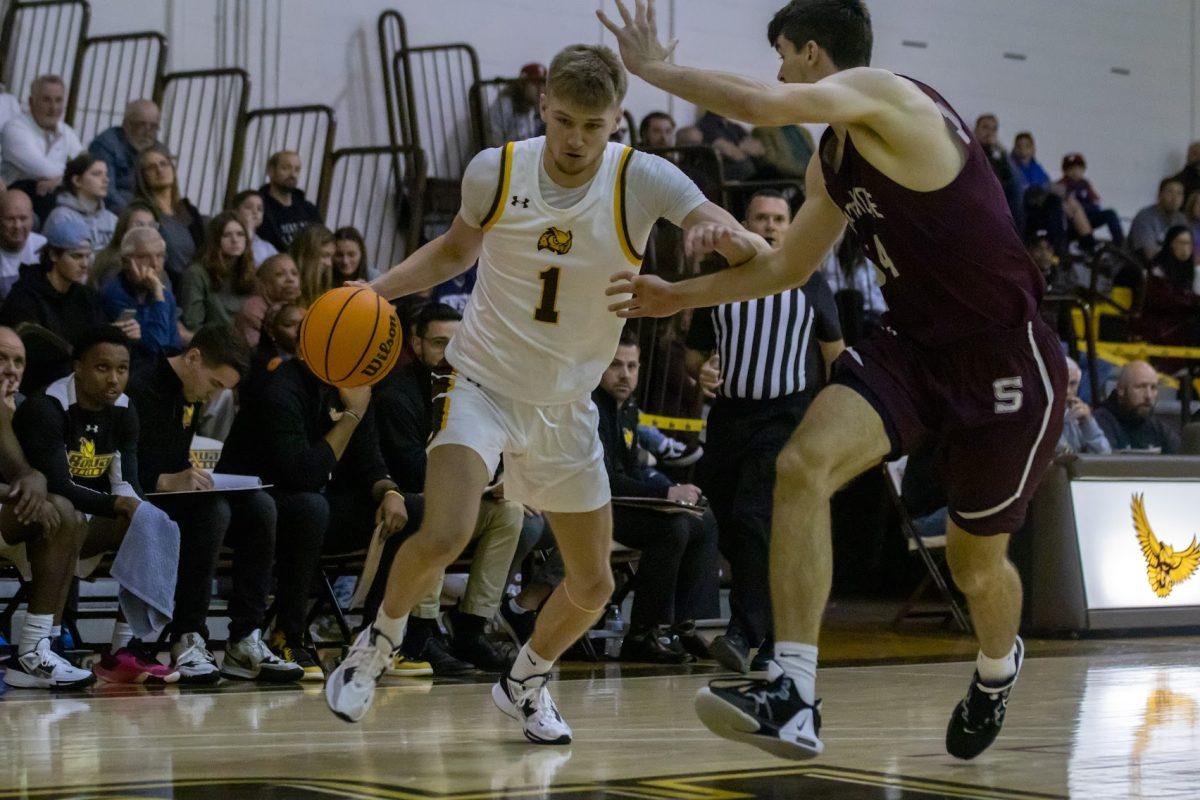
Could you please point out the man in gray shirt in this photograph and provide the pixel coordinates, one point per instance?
(1081, 433)
(1150, 226)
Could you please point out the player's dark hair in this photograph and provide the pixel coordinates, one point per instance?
(1165, 182)
(222, 346)
(1023, 135)
(628, 339)
(842, 28)
(431, 313)
(95, 336)
(644, 127)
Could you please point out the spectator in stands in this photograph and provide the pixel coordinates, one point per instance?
(677, 573)
(10, 109)
(1191, 210)
(1024, 157)
(138, 293)
(82, 434)
(108, 262)
(19, 245)
(51, 297)
(168, 393)
(249, 206)
(215, 288)
(404, 409)
(987, 133)
(1047, 206)
(276, 344)
(657, 129)
(278, 284)
(319, 447)
(738, 150)
(754, 413)
(1171, 309)
(1189, 176)
(786, 149)
(37, 145)
(1127, 416)
(85, 183)
(1081, 433)
(515, 115)
(43, 535)
(313, 250)
(1075, 185)
(120, 146)
(349, 257)
(179, 221)
(1149, 227)
(286, 211)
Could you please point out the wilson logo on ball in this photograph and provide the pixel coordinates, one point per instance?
(384, 354)
(350, 337)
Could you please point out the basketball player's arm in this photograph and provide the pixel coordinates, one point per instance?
(735, 250)
(817, 226)
(436, 262)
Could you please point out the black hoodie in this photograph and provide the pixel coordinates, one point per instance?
(35, 301)
(1128, 431)
(281, 223)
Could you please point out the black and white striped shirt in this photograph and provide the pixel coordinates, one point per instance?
(768, 347)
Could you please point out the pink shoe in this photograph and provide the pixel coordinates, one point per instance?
(127, 665)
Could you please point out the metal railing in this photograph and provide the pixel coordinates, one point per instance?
(377, 191)
(112, 71)
(41, 37)
(435, 82)
(308, 130)
(203, 112)
(393, 39)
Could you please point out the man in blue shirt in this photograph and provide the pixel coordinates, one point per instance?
(119, 147)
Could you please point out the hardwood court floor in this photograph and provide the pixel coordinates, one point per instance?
(1095, 724)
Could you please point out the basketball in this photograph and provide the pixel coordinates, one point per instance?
(350, 337)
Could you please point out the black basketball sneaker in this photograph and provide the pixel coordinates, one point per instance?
(768, 714)
(977, 719)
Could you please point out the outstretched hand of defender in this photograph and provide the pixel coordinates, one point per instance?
(638, 39)
(650, 296)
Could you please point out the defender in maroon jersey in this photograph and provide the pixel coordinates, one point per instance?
(963, 359)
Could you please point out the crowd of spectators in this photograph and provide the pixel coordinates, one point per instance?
(132, 323)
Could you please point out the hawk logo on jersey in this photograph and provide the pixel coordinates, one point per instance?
(555, 241)
(84, 463)
(1165, 566)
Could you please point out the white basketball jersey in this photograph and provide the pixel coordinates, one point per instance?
(537, 327)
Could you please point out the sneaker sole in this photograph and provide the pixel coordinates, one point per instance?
(735, 725)
(235, 672)
(423, 672)
(207, 679)
(23, 680)
(728, 657)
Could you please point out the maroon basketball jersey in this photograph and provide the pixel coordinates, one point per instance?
(952, 263)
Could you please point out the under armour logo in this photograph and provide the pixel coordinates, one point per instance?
(523, 202)
(91, 428)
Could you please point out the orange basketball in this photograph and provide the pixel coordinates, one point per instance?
(350, 337)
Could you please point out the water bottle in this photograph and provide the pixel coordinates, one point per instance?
(614, 632)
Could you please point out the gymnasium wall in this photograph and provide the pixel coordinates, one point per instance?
(1118, 79)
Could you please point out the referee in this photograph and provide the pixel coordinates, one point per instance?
(763, 361)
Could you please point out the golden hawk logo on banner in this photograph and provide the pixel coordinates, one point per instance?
(555, 241)
(1165, 566)
(84, 463)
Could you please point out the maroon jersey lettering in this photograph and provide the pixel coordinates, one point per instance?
(951, 262)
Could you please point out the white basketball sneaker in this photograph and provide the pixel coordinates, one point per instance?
(42, 668)
(350, 690)
(529, 703)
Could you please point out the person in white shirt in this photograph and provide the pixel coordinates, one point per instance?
(19, 245)
(36, 146)
(10, 109)
(549, 219)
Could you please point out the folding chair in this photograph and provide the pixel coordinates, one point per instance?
(925, 548)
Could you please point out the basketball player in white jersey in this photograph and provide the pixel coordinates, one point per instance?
(548, 220)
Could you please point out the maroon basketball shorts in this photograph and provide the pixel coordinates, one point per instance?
(995, 404)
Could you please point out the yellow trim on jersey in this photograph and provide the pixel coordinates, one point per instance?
(497, 209)
(619, 213)
(671, 423)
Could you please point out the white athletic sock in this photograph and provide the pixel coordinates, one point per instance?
(122, 635)
(37, 627)
(799, 662)
(529, 663)
(516, 607)
(391, 627)
(997, 671)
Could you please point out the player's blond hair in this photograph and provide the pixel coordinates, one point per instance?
(588, 75)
